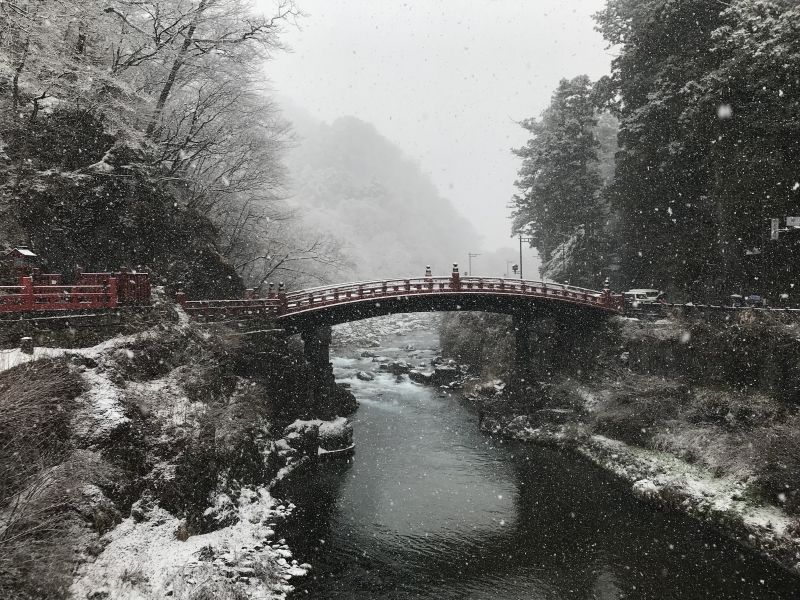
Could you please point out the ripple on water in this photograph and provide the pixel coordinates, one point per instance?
(430, 508)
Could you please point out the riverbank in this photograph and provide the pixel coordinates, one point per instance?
(635, 402)
(144, 467)
(660, 478)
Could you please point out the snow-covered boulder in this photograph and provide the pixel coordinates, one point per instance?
(445, 374)
(336, 434)
(397, 367)
(645, 489)
(418, 376)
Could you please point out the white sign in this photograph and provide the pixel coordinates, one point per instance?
(793, 221)
(774, 229)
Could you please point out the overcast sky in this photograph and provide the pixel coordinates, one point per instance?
(444, 80)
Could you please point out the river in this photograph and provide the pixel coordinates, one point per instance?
(429, 507)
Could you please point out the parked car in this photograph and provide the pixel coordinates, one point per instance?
(753, 300)
(639, 297)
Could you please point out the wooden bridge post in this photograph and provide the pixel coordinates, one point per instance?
(180, 295)
(112, 292)
(27, 291)
(316, 346)
(282, 297)
(455, 278)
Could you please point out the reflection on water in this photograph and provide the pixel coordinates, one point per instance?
(430, 508)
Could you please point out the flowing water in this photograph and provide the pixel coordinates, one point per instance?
(429, 507)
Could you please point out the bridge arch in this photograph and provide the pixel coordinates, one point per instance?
(333, 305)
(312, 312)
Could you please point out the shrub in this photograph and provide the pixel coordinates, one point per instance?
(778, 463)
(36, 404)
(480, 339)
(43, 524)
(733, 409)
(633, 418)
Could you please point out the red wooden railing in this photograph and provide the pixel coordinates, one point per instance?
(281, 304)
(218, 310)
(323, 296)
(28, 297)
(45, 292)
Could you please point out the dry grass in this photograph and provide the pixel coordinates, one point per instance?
(41, 526)
(750, 436)
(777, 462)
(36, 404)
(39, 483)
(636, 416)
(722, 451)
(732, 409)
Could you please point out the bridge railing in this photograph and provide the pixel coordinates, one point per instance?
(28, 297)
(132, 288)
(217, 309)
(325, 295)
(445, 279)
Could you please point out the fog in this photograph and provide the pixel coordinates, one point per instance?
(447, 83)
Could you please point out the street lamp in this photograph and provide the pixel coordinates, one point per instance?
(527, 240)
(471, 256)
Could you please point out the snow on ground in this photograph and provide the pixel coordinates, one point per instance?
(101, 410)
(12, 358)
(145, 559)
(370, 331)
(654, 470)
(166, 398)
(667, 480)
(338, 427)
(15, 357)
(101, 406)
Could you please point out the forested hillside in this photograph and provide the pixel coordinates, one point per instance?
(138, 133)
(358, 186)
(708, 99)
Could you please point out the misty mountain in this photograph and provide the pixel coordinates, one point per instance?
(350, 182)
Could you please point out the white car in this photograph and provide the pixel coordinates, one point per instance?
(639, 297)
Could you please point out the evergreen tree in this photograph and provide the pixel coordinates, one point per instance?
(755, 91)
(559, 203)
(708, 101)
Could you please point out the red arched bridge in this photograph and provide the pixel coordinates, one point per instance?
(331, 305)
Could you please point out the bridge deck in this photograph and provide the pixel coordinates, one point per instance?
(284, 306)
(368, 290)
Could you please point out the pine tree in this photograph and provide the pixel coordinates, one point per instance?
(559, 205)
(668, 234)
(755, 91)
(708, 101)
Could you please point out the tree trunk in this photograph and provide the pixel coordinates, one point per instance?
(15, 81)
(176, 67)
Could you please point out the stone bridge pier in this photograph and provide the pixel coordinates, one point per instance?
(330, 399)
(544, 345)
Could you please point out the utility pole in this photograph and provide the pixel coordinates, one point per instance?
(508, 262)
(527, 240)
(471, 256)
